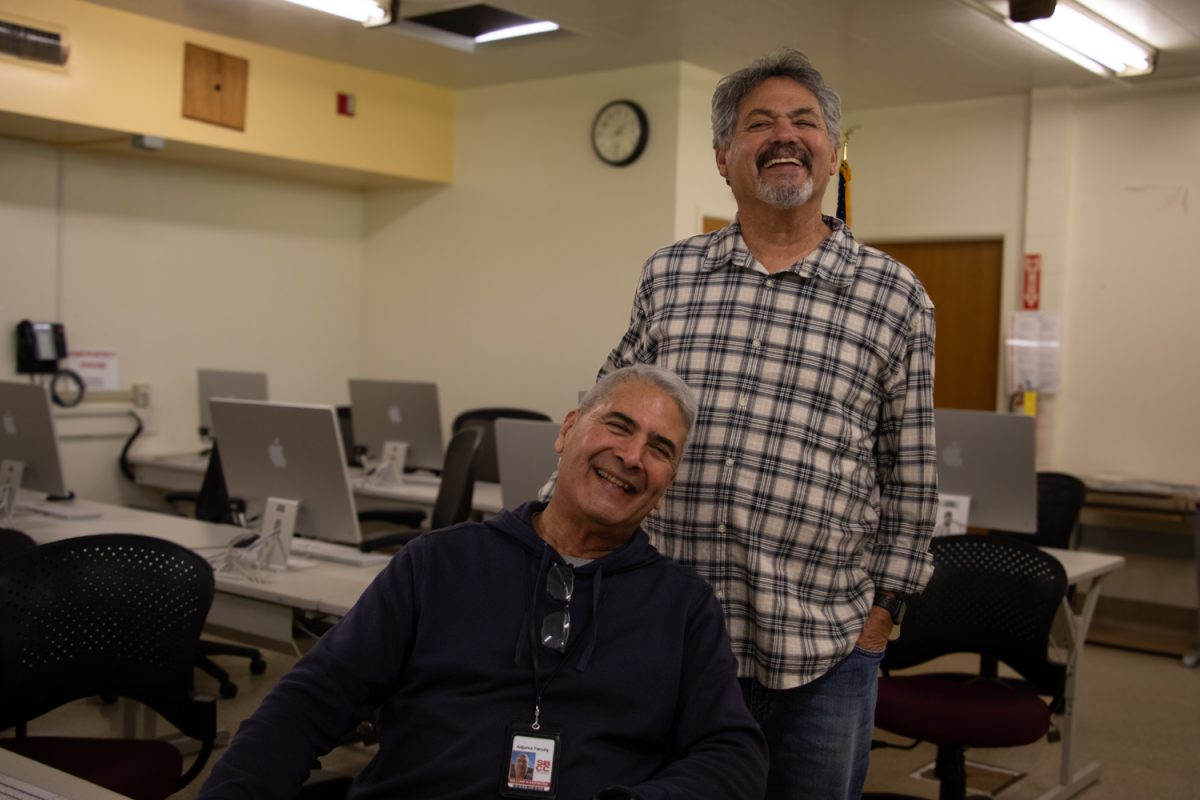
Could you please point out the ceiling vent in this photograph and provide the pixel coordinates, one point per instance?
(32, 44)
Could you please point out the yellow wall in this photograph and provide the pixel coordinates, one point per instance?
(125, 73)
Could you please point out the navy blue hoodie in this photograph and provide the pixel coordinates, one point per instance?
(440, 642)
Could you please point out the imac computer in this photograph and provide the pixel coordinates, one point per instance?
(526, 458)
(226, 383)
(398, 411)
(290, 452)
(27, 437)
(990, 458)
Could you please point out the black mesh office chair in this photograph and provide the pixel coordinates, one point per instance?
(1060, 499)
(487, 467)
(453, 502)
(107, 615)
(995, 597)
(213, 504)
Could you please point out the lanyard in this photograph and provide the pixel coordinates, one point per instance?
(535, 647)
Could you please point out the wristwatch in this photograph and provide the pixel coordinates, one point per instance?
(896, 607)
(893, 604)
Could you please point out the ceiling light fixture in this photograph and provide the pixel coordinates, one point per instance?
(369, 12)
(1079, 34)
(526, 29)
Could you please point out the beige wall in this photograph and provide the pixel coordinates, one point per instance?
(511, 286)
(1132, 332)
(178, 268)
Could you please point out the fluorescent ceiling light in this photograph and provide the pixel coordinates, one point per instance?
(368, 12)
(528, 29)
(1084, 37)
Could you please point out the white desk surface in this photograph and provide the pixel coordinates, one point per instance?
(184, 471)
(50, 779)
(328, 587)
(1083, 566)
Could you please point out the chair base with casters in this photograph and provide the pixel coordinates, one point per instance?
(207, 648)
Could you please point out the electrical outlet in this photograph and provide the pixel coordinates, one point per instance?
(141, 395)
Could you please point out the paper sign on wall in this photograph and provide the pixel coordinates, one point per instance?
(1034, 352)
(97, 366)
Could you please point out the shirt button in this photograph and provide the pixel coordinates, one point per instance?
(721, 528)
(729, 462)
(757, 343)
(743, 402)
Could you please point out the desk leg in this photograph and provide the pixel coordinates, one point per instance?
(1070, 782)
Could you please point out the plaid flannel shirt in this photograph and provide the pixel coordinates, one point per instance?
(810, 479)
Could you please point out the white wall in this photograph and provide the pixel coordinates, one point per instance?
(700, 191)
(1131, 329)
(179, 268)
(511, 286)
(1111, 176)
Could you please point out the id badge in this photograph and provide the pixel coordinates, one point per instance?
(531, 765)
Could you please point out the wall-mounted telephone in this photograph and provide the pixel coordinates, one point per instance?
(40, 346)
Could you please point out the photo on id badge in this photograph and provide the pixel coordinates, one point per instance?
(531, 766)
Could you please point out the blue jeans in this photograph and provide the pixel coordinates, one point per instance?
(819, 734)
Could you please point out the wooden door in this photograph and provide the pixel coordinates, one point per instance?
(964, 281)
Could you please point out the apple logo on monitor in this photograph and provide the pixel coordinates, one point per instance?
(394, 415)
(952, 455)
(10, 424)
(275, 453)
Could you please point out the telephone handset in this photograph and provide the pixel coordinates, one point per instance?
(40, 346)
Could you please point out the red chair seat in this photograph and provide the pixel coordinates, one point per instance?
(106, 762)
(960, 713)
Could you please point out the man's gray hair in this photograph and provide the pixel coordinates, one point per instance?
(787, 63)
(659, 377)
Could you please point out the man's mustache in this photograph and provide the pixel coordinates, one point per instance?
(785, 151)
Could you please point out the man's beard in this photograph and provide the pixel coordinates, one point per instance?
(784, 196)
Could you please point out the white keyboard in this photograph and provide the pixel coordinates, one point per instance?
(59, 510)
(337, 553)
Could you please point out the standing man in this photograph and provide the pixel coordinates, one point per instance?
(808, 494)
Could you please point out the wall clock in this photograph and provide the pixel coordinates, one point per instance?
(619, 132)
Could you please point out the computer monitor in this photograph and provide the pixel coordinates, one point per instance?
(290, 452)
(989, 457)
(526, 457)
(227, 383)
(398, 411)
(27, 435)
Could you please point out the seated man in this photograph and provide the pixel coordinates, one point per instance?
(553, 634)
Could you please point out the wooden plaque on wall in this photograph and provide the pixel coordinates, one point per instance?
(214, 87)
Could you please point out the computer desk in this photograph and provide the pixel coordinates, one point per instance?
(260, 609)
(1086, 571)
(183, 472)
(47, 778)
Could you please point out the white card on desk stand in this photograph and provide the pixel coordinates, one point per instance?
(279, 523)
(953, 514)
(10, 481)
(391, 463)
